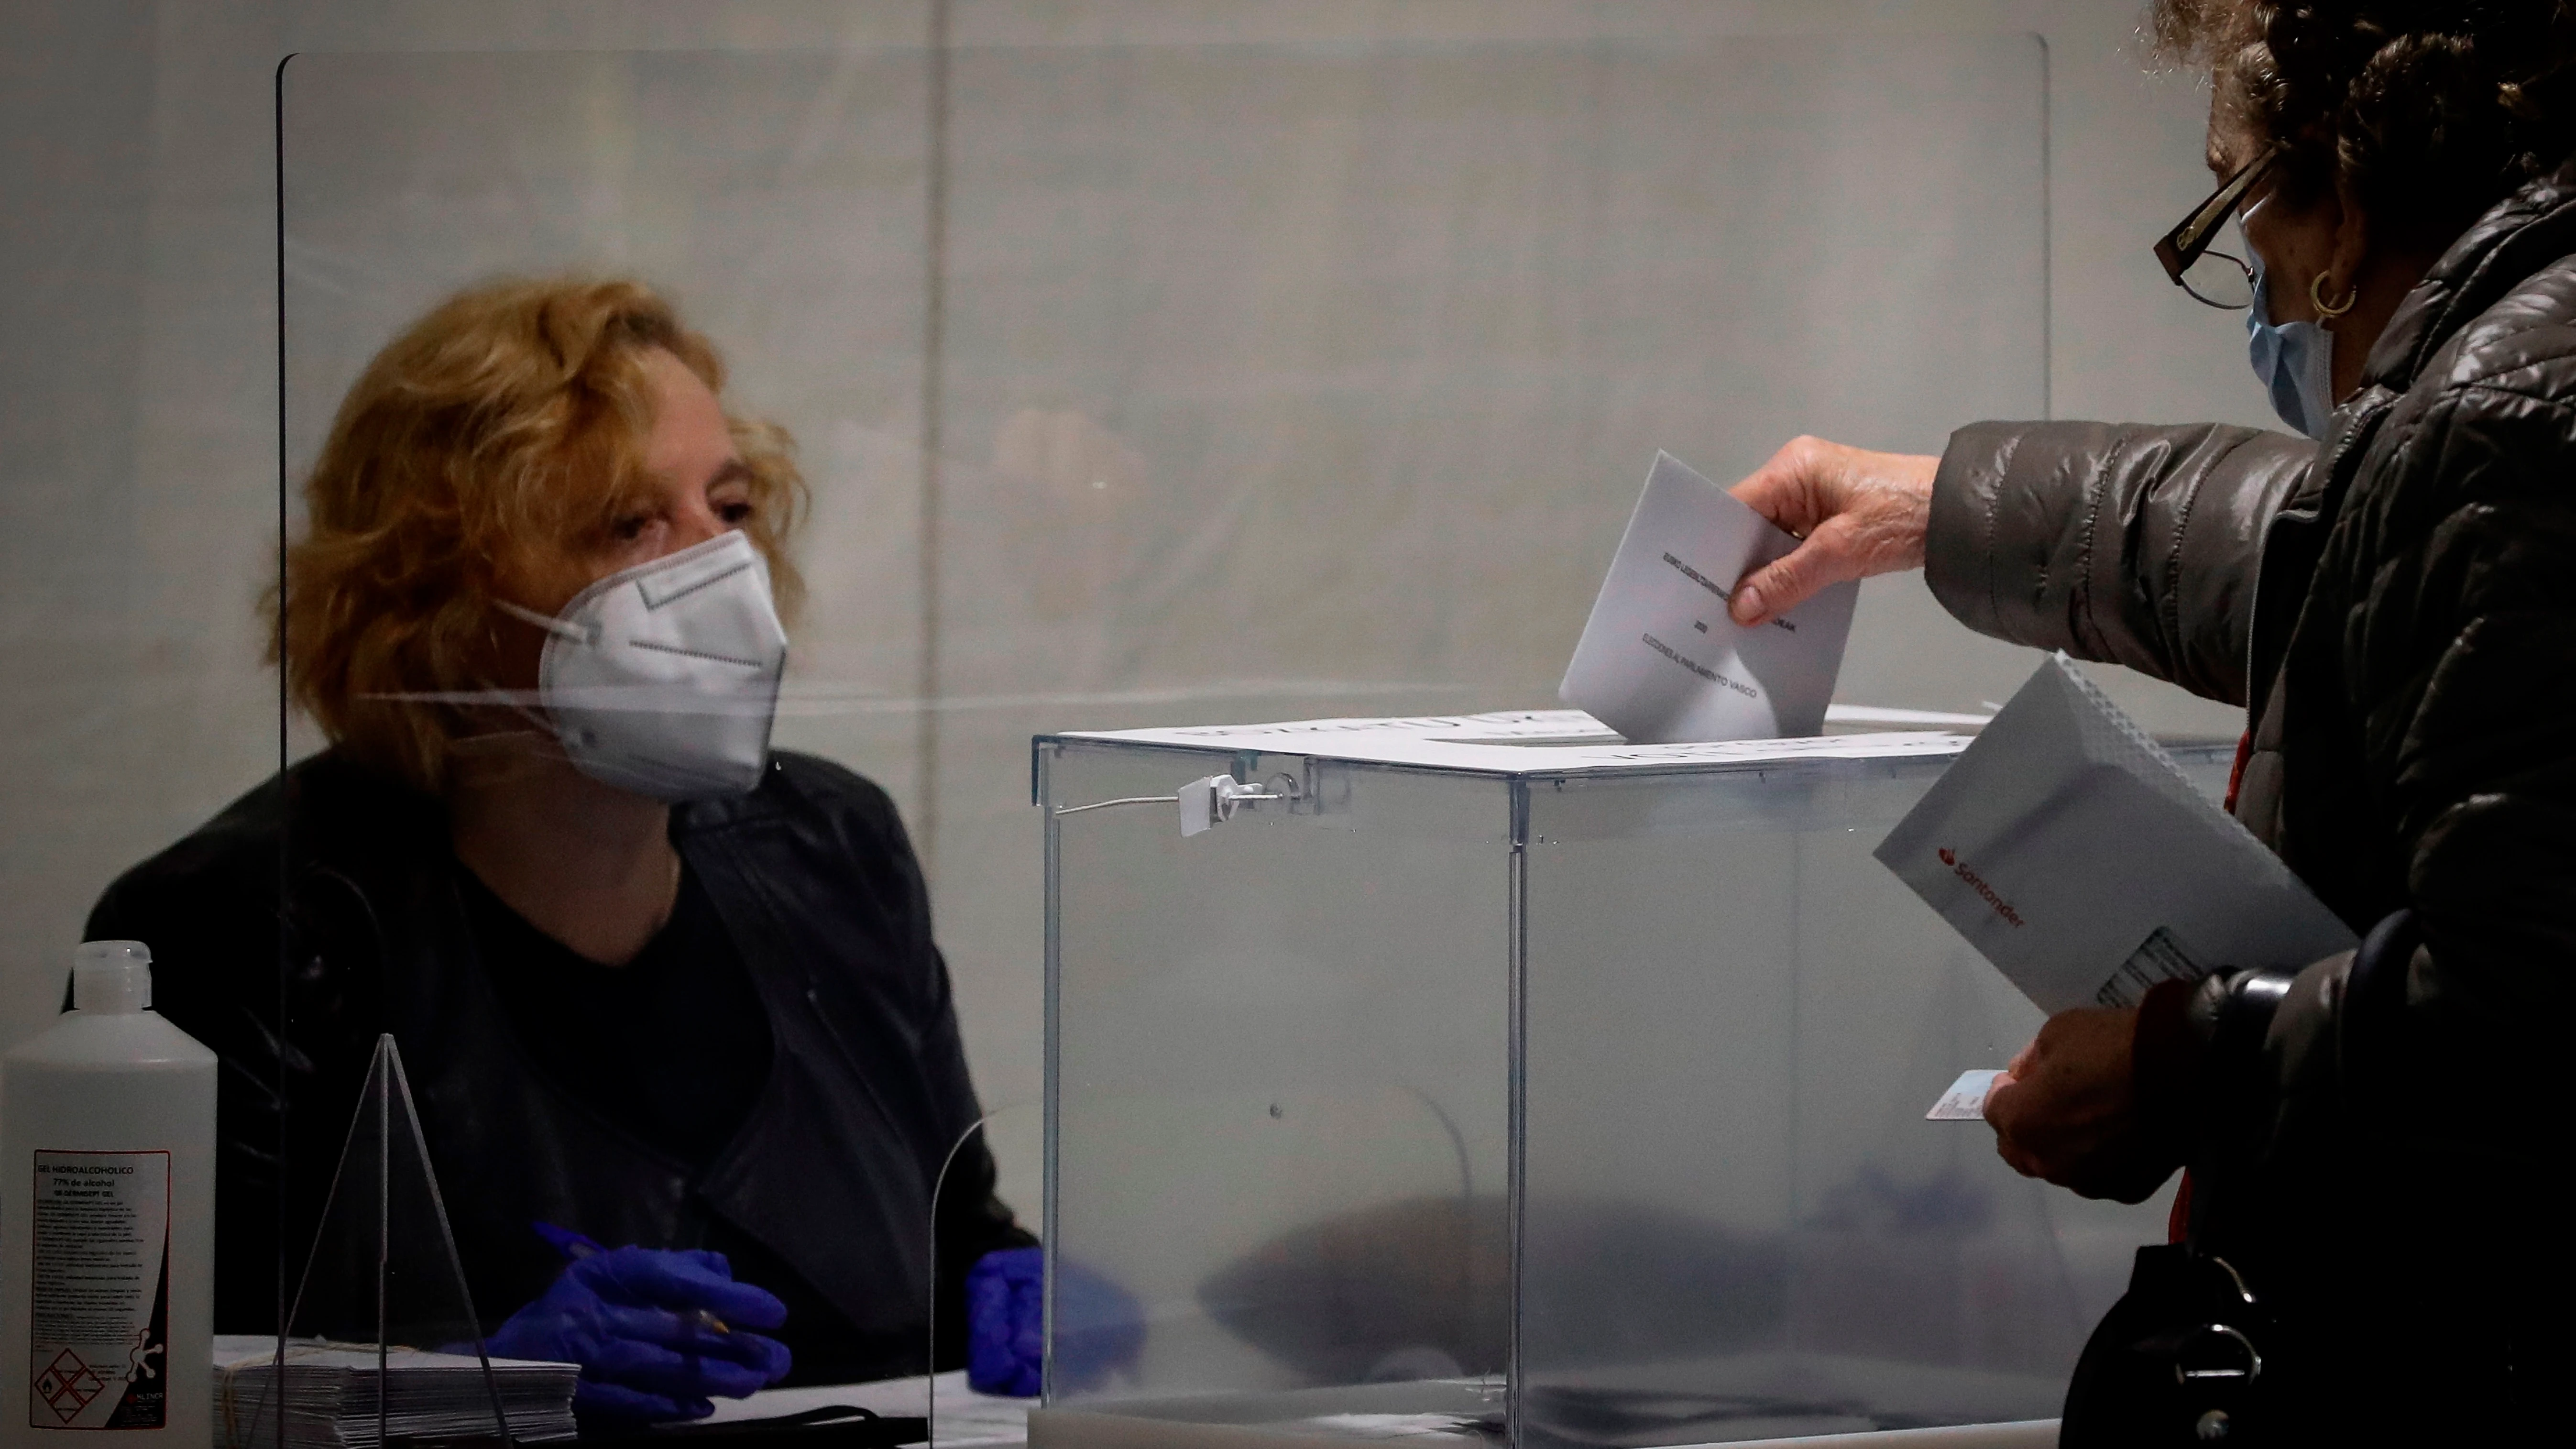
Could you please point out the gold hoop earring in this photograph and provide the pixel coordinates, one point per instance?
(2316, 298)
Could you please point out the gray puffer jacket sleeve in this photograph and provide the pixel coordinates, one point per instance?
(2116, 542)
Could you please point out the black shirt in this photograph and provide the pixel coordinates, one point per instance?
(674, 1048)
(325, 909)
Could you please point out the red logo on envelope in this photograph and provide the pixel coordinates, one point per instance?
(1977, 883)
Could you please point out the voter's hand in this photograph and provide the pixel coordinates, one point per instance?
(657, 1334)
(2066, 1109)
(1860, 513)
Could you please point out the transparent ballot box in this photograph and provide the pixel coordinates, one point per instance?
(1488, 1078)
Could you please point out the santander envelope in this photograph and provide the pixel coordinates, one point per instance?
(2075, 855)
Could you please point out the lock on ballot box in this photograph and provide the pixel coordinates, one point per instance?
(1488, 1079)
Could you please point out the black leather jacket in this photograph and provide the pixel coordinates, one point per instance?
(347, 880)
(2396, 607)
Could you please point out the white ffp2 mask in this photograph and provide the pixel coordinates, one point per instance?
(663, 678)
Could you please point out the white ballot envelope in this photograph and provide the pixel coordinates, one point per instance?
(1660, 661)
(2076, 855)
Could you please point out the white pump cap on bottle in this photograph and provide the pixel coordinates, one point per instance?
(112, 977)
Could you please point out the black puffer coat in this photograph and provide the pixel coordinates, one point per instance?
(2396, 607)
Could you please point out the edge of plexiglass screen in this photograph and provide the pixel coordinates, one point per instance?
(1278, 1084)
(1325, 452)
(778, 198)
(1736, 1222)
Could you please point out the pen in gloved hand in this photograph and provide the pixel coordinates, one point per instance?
(577, 1246)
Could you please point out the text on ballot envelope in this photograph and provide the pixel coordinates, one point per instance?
(1660, 660)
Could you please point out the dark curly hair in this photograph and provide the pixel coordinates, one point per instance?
(2430, 111)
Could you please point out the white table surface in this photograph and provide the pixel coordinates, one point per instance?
(963, 1416)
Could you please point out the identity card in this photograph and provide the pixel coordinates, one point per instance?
(1966, 1099)
(1661, 662)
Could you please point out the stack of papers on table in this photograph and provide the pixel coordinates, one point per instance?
(331, 1395)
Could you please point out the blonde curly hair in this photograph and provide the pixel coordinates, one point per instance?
(501, 436)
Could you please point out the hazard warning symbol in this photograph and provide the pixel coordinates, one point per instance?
(67, 1385)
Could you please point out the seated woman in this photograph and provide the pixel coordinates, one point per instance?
(653, 984)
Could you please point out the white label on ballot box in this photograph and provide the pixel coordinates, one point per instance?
(1661, 662)
(2076, 855)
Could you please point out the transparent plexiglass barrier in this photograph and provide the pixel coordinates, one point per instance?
(1284, 1057)
(1267, 379)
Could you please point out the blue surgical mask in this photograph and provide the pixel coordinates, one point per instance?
(2294, 360)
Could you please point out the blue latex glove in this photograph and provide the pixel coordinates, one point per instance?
(631, 1318)
(1099, 1327)
(1006, 1322)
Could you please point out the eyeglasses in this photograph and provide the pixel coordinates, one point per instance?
(2209, 276)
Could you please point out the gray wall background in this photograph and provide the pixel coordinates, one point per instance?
(138, 407)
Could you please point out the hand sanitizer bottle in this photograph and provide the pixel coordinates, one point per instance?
(107, 1221)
